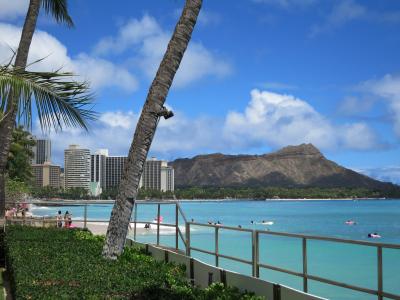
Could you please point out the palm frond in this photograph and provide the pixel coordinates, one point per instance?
(59, 10)
(60, 101)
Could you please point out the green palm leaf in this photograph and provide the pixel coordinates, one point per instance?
(59, 10)
(60, 101)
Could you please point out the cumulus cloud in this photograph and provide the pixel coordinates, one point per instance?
(269, 121)
(279, 120)
(148, 42)
(11, 9)
(114, 130)
(100, 72)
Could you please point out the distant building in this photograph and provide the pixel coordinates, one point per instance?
(41, 151)
(157, 175)
(98, 171)
(77, 167)
(62, 179)
(46, 175)
(106, 173)
(167, 179)
(114, 170)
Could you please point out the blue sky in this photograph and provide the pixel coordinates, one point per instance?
(258, 75)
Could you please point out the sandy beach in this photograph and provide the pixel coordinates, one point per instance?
(100, 228)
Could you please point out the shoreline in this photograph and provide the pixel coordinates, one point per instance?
(100, 228)
(66, 202)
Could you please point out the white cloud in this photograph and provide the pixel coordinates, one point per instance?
(11, 9)
(148, 41)
(279, 120)
(119, 119)
(100, 72)
(270, 120)
(114, 130)
(343, 12)
(387, 88)
(388, 174)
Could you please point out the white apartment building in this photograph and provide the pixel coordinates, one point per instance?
(77, 167)
(98, 168)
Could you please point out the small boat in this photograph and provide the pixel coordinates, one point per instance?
(374, 235)
(265, 223)
(350, 222)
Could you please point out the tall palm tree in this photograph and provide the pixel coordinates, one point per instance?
(153, 109)
(58, 9)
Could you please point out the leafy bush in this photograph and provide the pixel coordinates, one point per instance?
(52, 263)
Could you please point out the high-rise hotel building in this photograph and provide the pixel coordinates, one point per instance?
(41, 151)
(98, 167)
(77, 167)
(46, 175)
(114, 169)
(157, 175)
(107, 172)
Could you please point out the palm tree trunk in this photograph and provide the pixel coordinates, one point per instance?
(146, 128)
(7, 124)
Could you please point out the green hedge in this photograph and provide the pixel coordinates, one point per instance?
(51, 263)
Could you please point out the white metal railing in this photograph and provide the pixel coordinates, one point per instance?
(255, 263)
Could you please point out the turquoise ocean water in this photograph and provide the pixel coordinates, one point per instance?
(353, 264)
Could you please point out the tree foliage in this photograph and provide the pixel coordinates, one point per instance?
(16, 190)
(19, 158)
(60, 101)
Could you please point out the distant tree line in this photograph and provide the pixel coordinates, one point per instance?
(283, 193)
(225, 193)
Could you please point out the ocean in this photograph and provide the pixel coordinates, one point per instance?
(353, 264)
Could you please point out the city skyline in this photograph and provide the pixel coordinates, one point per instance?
(241, 89)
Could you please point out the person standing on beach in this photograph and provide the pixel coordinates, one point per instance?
(59, 219)
(67, 219)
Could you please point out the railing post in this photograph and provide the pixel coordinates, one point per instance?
(176, 227)
(216, 246)
(380, 273)
(134, 221)
(187, 233)
(254, 253)
(85, 217)
(158, 224)
(305, 280)
(43, 222)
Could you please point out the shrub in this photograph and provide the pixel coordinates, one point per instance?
(53, 263)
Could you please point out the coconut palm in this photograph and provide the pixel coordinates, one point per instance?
(58, 9)
(153, 109)
(60, 101)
